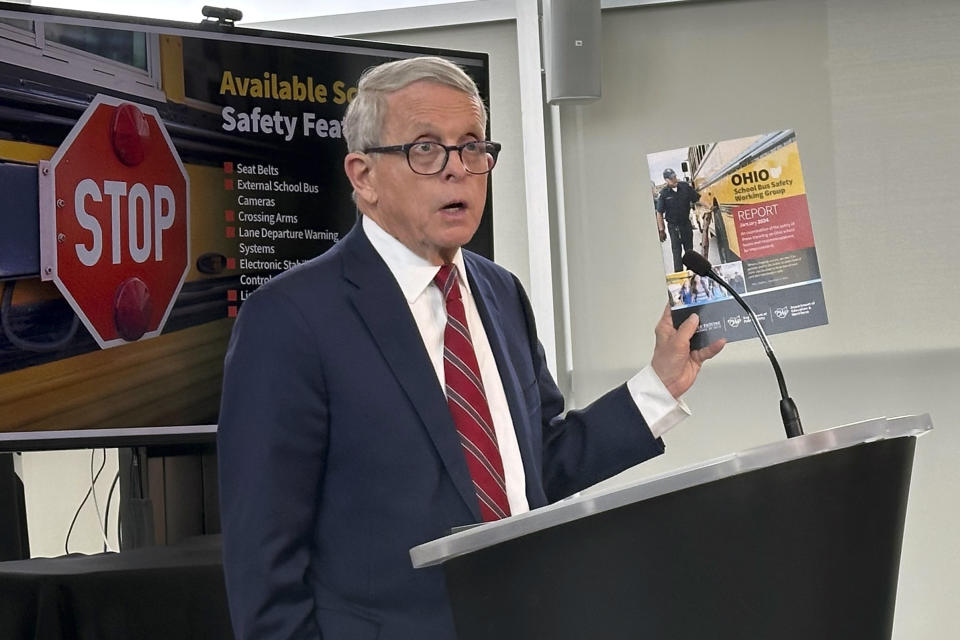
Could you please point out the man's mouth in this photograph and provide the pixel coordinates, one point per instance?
(456, 205)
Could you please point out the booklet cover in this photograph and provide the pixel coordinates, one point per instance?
(741, 204)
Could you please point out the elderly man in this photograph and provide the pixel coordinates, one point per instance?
(394, 387)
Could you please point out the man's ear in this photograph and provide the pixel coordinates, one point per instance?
(359, 169)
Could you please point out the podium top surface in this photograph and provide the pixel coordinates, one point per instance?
(590, 502)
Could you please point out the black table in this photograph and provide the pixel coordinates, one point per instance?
(173, 592)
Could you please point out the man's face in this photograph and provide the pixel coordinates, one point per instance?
(431, 215)
(672, 182)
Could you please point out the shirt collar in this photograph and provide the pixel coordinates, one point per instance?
(413, 273)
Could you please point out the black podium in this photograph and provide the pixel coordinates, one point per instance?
(797, 539)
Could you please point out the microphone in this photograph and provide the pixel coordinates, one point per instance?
(788, 408)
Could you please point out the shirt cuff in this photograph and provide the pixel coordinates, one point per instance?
(659, 408)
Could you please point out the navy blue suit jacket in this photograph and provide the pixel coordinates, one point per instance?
(338, 454)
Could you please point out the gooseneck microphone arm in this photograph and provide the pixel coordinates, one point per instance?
(788, 408)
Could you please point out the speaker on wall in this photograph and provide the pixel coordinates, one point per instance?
(571, 42)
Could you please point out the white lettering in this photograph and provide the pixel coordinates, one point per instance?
(138, 194)
(115, 189)
(163, 216)
(88, 188)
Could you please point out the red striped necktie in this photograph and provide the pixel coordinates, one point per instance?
(468, 403)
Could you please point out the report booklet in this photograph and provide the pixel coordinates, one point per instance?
(742, 204)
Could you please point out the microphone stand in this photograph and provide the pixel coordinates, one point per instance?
(788, 408)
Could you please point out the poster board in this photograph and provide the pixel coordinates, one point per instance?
(256, 119)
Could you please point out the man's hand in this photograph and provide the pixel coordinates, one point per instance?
(663, 234)
(673, 361)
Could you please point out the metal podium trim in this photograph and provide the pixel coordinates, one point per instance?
(589, 502)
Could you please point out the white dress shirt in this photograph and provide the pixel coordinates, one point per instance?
(415, 275)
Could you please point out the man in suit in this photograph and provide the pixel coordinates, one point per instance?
(346, 433)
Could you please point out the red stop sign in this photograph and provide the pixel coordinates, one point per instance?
(116, 238)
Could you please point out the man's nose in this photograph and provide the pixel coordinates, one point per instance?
(454, 168)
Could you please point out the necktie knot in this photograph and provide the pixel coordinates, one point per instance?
(446, 280)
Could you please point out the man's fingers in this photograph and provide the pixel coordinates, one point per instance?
(688, 327)
(665, 325)
(666, 317)
(707, 352)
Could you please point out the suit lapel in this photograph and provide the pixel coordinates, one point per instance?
(384, 310)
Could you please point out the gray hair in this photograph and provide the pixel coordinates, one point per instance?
(363, 122)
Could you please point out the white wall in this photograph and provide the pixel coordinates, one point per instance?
(55, 483)
(872, 90)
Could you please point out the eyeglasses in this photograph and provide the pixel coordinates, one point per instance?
(428, 158)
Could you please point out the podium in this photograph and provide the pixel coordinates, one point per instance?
(797, 539)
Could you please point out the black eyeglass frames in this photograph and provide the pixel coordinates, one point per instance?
(428, 158)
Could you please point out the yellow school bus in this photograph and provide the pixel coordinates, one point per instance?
(734, 173)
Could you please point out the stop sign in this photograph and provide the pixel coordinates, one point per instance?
(115, 221)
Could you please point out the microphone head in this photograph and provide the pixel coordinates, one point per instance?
(696, 263)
